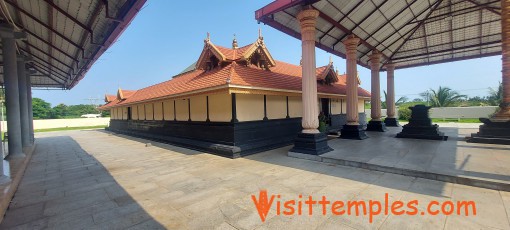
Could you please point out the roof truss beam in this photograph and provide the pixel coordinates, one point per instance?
(400, 28)
(485, 7)
(341, 19)
(434, 7)
(361, 22)
(458, 12)
(446, 51)
(339, 26)
(43, 24)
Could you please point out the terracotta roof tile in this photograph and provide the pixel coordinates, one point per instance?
(233, 54)
(110, 98)
(128, 93)
(283, 76)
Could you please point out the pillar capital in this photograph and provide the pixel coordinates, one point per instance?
(375, 59)
(307, 19)
(7, 31)
(351, 43)
(390, 66)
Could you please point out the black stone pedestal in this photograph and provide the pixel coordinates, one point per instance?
(492, 132)
(420, 126)
(391, 122)
(311, 143)
(355, 132)
(377, 126)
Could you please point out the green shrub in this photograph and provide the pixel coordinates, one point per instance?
(404, 113)
(322, 126)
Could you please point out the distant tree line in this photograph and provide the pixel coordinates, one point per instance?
(446, 97)
(43, 110)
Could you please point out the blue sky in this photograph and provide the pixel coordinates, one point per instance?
(167, 36)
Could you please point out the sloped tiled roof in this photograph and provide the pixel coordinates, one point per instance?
(233, 54)
(283, 76)
(109, 98)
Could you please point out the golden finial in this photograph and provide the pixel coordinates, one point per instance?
(330, 59)
(260, 34)
(234, 43)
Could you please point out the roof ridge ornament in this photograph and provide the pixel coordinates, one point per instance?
(208, 38)
(234, 42)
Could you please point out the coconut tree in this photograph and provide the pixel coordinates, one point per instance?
(442, 97)
(495, 95)
(400, 100)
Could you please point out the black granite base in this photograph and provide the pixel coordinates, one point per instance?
(391, 122)
(355, 132)
(420, 125)
(377, 126)
(311, 143)
(422, 132)
(492, 132)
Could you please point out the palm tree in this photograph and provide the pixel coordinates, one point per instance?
(495, 96)
(443, 97)
(400, 100)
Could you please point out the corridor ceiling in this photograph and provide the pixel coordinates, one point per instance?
(65, 37)
(408, 32)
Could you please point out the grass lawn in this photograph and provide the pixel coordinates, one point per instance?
(71, 128)
(462, 120)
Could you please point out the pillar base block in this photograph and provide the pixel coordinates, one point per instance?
(311, 143)
(492, 132)
(354, 132)
(377, 126)
(15, 156)
(391, 122)
(422, 132)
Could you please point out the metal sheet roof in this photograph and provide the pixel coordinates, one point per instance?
(408, 32)
(65, 37)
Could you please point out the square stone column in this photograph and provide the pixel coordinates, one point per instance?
(352, 130)
(310, 140)
(375, 123)
(391, 119)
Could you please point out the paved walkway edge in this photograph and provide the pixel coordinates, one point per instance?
(407, 172)
(17, 169)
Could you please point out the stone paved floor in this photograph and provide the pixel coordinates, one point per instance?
(95, 180)
(454, 157)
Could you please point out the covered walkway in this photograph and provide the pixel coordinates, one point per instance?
(454, 160)
(93, 179)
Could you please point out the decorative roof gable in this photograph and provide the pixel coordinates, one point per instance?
(109, 98)
(124, 94)
(210, 57)
(327, 74)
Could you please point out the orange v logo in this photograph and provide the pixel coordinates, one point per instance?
(262, 205)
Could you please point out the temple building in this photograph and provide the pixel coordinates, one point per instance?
(235, 101)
